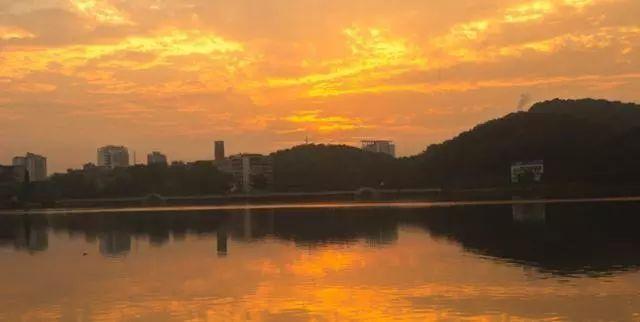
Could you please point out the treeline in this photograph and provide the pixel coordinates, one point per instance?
(198, 178)
(338, 167)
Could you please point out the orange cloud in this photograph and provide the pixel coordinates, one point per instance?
(9, 33)
(102, 11)
(165, 45)
(313, 120)
(373, 55)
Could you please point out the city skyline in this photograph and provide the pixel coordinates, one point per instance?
(173, 75)
(154, 154)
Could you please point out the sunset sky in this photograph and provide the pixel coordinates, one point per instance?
(175, 75)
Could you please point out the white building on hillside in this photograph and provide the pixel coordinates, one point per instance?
(527, 172)
(379, 146)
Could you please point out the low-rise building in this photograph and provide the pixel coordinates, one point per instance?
(379, 146)
(250, 171)
(10, 179)
(156, 157)
(527, 172)
(12, 174)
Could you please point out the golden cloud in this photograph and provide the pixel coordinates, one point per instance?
(314, 121)
(102, 11)
(373, 54)
(102, 60)
(9, 33)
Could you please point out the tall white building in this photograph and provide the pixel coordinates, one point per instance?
(379, 146)
(36, 166)
(112, 156)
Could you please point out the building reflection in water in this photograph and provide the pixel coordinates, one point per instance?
(27, 233)
(115, 243)
(222, 238)
(554, 238)
(246, 224)
(529, 213)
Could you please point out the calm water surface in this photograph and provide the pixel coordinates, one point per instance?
(496, 263)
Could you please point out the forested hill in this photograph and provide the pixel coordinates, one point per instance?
(322, 167)
(622, 116)
(580, 141)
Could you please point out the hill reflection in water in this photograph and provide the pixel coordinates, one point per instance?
(558, 239)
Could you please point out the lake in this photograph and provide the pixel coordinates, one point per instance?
(571, 261)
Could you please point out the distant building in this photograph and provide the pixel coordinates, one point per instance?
(219, 150)
(12, 174)
(250, 171)
(379, 146)
(35, 165)
(527, 172)
(156, 157)
(112, 157)
(178, 163)
(10, 179)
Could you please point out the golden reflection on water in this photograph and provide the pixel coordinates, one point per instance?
(418, 277)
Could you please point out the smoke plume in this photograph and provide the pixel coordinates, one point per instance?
(524, 101)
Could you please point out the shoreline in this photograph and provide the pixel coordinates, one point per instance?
(334, 204)
(359, 197)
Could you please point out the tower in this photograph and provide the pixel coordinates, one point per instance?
(219, 150)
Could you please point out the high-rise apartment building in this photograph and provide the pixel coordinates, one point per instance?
(380, 146)
(34, 164)
(219, 150)
(112, 156)
(156, 157)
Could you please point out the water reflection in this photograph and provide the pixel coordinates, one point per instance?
(563, 239)
(530, 213)
(531, 261)
(29, 233)
(115, 243)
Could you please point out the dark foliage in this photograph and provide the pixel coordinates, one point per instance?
(583, 141)
(193, 179)
(620, 116)
(336, 167)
